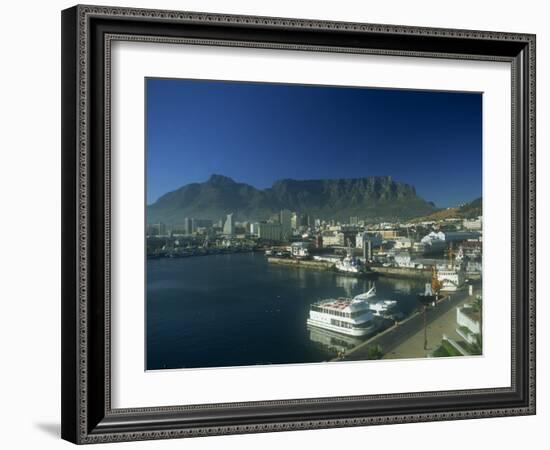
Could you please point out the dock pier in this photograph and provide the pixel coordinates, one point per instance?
(310, 264)
(400, 332)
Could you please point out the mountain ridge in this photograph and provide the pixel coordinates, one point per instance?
(373, 197)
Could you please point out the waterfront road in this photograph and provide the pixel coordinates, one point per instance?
(404, 331)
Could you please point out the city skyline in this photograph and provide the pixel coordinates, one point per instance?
(260, 133)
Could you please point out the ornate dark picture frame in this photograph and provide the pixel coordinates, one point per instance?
(87, 33)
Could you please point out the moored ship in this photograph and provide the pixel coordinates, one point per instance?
(358, 316)
(450, 278)
(349, 264)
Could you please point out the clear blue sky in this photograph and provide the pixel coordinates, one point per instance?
(259, 133)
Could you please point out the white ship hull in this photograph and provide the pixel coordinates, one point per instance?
(347, 331)
(348, 270)
(450, 281)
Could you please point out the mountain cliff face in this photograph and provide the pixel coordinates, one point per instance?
(375, 198)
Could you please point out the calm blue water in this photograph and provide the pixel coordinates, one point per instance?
(234, 310)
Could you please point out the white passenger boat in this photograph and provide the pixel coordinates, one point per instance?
(356, 316)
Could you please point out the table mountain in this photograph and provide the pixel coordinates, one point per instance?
(374, 198)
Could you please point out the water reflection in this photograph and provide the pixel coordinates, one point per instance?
(333, 343)
(402, 286)
(348, 284)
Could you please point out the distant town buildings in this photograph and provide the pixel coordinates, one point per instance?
(361, 237)
(157, 229)
(392, 244)
(202, 223)
(450, 236)
(389, 234)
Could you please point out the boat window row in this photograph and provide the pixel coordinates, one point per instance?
(340, 324)
(332, 312)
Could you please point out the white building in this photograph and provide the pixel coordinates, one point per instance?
(254, 228)
(438, 241)
(403, 259)
(473, 224)
(433, 236)
(402, 243)
(229, 225)
(470, 321)
(333, 238)
(299, 249)
(294, 221)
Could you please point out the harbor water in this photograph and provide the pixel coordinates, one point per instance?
(239, 310)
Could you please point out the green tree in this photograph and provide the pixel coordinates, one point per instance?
(375, 352)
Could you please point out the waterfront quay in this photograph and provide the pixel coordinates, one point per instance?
(403, 272)
(405, 339)
(351, 246)
(308, 263)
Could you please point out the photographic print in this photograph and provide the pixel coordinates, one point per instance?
(292, 224)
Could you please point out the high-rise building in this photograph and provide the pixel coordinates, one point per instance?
(285, 218)
(270, 231)
(188, 225)
(229, 225)
(305, 220)
(294, 222)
